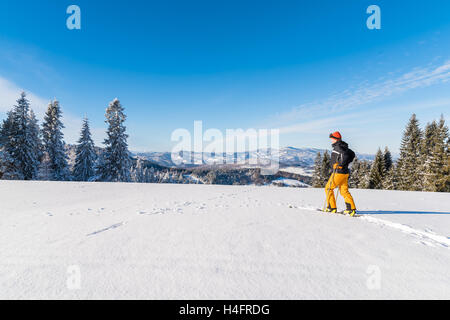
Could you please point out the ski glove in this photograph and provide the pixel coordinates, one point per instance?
(337, 166)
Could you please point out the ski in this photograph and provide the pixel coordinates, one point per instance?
(339, 212)
(321, 210)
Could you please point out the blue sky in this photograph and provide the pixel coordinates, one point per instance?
(305, 67)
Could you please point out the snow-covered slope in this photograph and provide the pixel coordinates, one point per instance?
(299, 170)
(289, 183)
(211, 242)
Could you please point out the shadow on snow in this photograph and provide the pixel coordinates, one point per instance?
(401, 212)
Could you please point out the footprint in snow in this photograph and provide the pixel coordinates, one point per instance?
(114, 226)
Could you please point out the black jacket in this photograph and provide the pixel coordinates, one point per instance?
(342, 155)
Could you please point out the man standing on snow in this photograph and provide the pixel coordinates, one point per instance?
(341, 157)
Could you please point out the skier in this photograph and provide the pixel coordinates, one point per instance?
(341, 157)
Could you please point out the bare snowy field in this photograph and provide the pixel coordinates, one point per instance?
(156, 241)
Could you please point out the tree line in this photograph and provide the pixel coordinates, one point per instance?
(31, 152)
(423, 163)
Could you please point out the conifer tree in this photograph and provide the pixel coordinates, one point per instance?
(99, 165)
(428, 170)
(317, 179)
(84, 168)
(54, 143)
(8, 170)
(364, 173)
(150, 175)
(326, 168)
(117, 163)
(138, 172)
(409, 163)
(429, 138)
(354, 177)
(20, 142)
(436, 176)
(387, 159)
(444, 182)
(377, 171)
(6, 129)
(36, 137)
(390, 181)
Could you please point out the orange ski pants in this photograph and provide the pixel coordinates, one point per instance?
(338, 180)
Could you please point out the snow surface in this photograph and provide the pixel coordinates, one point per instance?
(161, 241)
(289, 182)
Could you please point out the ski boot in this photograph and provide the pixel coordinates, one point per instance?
(351, 212)
(331, 210)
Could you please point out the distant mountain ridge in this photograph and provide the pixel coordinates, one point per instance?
(288, 157)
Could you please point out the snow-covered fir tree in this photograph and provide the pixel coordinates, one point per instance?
(354, 176)
(409, 163)
(326, 168)
(390, 181)
(181, 179)
(429, 162)
(36, 136)
(256, 177)
(167, 177)
(85, 159)
(387, 159)
(444, 182)
(377, 171)
(322, 170)
(54, 143)
(21, 151)
(6, 129)
(435, 156)
(140, 173)
(211, 177)
(429, 138)
(443, 153)
(8, 170)
(444, 179)
(149, 174)
(117, 163)
(316, 178)
(364, 174)
(99, 165)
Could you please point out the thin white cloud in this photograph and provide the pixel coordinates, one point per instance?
(368, 92)
(312, 113)
(364, 117)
